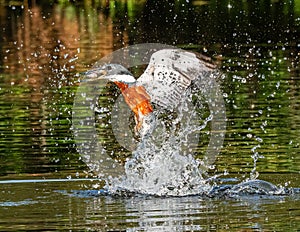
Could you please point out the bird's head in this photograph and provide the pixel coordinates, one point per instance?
(111, 72)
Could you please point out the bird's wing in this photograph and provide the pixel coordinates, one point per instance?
(170, 72)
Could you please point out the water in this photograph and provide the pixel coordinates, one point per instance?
(44, 46)
(81, 211)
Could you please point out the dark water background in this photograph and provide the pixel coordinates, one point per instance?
(43, 44)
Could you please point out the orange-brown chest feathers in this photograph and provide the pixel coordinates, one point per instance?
(136, 98)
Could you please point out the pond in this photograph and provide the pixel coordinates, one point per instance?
(46, 46)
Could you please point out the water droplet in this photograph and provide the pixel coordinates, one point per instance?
(259, 139)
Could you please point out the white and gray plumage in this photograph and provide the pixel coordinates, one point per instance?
(169, 74)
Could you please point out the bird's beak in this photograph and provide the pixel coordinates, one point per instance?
(93, 75)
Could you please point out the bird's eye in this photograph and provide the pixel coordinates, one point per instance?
(109, 67)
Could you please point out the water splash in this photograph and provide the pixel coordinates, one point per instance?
(164, 162)
(165, 172)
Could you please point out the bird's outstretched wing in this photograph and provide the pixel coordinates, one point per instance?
(170, 72)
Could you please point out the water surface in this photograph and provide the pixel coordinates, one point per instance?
(44, 46)
(68, 206)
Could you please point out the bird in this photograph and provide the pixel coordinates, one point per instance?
(170, 72)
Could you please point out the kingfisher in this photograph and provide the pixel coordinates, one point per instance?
(168, 76)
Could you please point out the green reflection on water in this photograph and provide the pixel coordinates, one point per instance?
(35, 130)
(260, 112)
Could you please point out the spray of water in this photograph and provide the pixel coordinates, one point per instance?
(164, 162)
